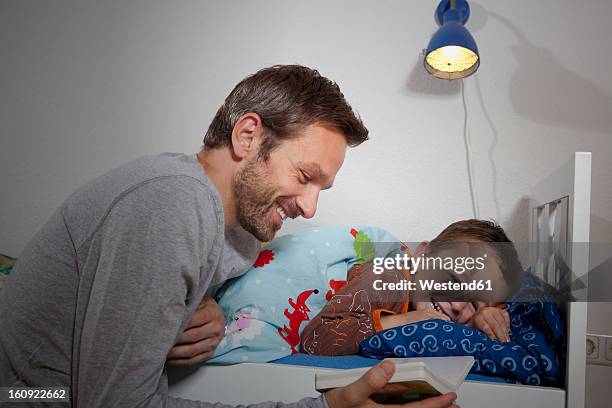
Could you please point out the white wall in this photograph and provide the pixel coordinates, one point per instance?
(88, 85)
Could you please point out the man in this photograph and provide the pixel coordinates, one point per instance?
(112, 281)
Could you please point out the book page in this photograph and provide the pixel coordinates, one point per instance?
(449, 370)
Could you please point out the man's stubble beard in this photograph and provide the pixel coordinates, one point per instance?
(255, 197)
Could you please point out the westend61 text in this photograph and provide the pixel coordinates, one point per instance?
(430, 285)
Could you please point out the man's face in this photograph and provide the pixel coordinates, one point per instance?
(289, 182)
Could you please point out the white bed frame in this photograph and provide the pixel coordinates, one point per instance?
(559, 215)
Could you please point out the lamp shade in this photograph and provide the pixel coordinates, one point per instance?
(452, 52)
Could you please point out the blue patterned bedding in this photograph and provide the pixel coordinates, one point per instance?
(532, 356)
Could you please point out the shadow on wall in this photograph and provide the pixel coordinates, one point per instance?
(601, 229)
(562, 98)
(421, 82)
(517, 224)
(517, 228)
(599, 278)
(600, 260)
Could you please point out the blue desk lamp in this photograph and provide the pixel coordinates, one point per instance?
(452, 51)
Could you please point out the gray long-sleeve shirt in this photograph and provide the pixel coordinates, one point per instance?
(104, 290)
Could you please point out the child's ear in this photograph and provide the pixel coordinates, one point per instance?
(247, 135)
(422, 248)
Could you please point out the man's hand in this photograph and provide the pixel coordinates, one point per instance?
(201, 337)
(495, 322)
(358, 393)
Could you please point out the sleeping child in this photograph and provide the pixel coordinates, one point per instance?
(357, 310)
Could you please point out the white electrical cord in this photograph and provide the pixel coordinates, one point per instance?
(468, 154)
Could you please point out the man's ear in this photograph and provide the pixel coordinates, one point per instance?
(247, 135)
(422, 248)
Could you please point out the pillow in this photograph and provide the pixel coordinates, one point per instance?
(6, 265)
(531, 356)
(292, 279)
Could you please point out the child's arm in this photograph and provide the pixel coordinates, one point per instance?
(353, 313)
(401, 319)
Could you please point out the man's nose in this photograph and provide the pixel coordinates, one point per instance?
(308, 202)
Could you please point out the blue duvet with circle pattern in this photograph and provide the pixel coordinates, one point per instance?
(531, 357)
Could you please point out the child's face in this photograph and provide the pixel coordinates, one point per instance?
(462, 311)
(484, 266)
(459, 312)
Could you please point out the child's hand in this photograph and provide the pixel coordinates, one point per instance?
(401, 319)
(495, 322)
(423, 314)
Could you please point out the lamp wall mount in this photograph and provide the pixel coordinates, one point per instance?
(460, 5)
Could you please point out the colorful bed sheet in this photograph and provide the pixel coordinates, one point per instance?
(292, 279)
(6, 265)
(531, 357)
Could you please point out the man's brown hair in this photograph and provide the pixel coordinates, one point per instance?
(486, 232)
(287, 98)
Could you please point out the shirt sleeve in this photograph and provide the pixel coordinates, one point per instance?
(152, 256)
(354, 312)
(308, 402)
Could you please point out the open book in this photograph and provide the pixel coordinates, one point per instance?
(414, 378)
